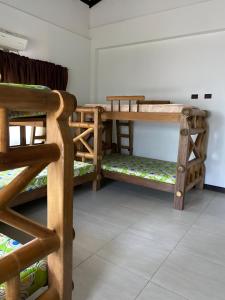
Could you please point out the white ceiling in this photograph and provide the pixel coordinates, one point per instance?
(111, 11)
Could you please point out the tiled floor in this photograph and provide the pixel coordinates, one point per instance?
(130, 244)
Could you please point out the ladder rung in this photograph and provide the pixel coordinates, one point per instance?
(124, 135)
(40, 137)
(125, 147)
(123, 124)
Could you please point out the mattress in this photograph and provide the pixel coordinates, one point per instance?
(158, 108)
(80, 169)
(32, 279)
(146, 168)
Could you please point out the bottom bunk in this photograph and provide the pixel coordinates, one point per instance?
(31, 279)
(138, 170)
(83, 172)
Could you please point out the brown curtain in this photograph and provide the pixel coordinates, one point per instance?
(20, 69)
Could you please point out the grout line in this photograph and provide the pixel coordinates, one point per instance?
(184, 235)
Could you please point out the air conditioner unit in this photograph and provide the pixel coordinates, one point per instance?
(12, 41)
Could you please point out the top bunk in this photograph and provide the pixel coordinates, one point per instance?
(136, 108)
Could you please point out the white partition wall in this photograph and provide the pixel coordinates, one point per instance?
(167, 55)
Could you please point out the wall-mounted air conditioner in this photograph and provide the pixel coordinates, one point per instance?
(12, 41)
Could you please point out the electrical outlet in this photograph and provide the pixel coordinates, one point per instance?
(208, 96)
(194, 96)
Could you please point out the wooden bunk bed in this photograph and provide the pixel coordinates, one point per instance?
(86, 170)
(189, 170)
(55, 240)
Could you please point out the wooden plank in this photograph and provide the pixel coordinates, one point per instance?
(142, 116)
(125, 98)
(139, 181)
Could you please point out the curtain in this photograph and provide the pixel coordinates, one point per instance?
(20, 69)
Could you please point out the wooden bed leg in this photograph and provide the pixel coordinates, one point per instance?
(60, 198)
(182, 161)
(179, 201)
(97, 148)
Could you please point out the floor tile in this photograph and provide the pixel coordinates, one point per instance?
(92, 233)
(134, 253)
(216, 207)
(155, 292)
(96, 279)
(211, 245)
(211, 223)
(192, 276)
(162, 230)
(80, 254)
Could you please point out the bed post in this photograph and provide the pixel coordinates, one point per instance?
(60, 198)
(4, 130)
(97, 147)
(182, 160)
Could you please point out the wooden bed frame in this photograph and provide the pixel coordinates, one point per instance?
(191, 153)
(55, 240)
(87, 124)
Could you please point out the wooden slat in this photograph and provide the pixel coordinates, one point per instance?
(25, 225)
(10, 191)
(83, 134)
(125, 98)
(81, 125)
(28, 156)
(27, 255)
(142, 116)
(139, 181)
(19, 98)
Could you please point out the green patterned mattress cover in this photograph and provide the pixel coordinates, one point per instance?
(80, 169)
(26, 86)
(15, 114)
(32, 278)
(147, 168)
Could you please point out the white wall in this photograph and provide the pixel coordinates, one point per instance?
(58, 43)
(166, 56)
(72, 15)
(52, 43)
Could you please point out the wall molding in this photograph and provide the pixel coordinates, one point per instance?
(214, 188)
(87, 37)
(149, 14)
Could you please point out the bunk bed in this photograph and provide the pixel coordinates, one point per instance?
(24, 268)
(84, 171)
(176, 177)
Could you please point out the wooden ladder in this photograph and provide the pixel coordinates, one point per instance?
(124, 136)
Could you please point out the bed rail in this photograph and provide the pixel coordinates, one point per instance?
(88, 138)
(55, 240)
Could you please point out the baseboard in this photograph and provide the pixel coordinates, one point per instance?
(214, 188)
